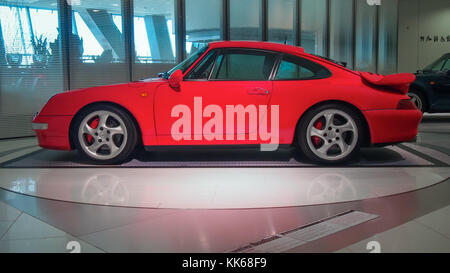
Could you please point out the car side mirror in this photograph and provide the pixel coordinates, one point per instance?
(175, 79)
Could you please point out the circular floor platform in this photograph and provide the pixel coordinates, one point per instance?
(217, 188)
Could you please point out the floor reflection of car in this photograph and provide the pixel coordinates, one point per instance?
(431, 90)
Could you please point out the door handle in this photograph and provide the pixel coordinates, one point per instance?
(258, 91)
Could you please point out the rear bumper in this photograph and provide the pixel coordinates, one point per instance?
(56, 136)
(393, 126)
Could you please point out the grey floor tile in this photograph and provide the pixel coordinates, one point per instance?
(45, 245)
(410, 237)
(438, 220)
(4, 227)
(8, 213)
(27, 227)
(85, 219)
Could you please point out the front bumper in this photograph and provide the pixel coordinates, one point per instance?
(52, 131)
(393, 126)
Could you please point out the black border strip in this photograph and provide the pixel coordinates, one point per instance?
(5, 166)
(16, 138)
(433, 160)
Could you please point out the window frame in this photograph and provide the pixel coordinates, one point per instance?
(219, 51)
(198, 63)
(303, 59)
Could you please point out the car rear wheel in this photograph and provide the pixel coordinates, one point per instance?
(105, 134)
(330, 134)
(418, 99)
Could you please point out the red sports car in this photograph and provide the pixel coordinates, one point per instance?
(236, 93)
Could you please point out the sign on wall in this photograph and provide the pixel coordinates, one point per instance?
(435, 38)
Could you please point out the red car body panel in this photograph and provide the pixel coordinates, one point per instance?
(151, 102)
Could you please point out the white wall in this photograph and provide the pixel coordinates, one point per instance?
(421, 18)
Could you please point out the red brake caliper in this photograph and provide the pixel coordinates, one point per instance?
(93, 125)
(316, 139)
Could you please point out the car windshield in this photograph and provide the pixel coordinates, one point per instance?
(437, 65)
(184, 65)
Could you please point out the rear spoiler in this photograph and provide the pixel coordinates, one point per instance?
(397, 82)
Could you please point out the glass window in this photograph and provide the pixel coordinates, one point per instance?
(30, 62)
(97, 44)
(96, 26)
(365, 51)
(154, 31)
(243, 65)
(436, 66)
(314, 26)
(281, 21)
(16, 32)
(91, 47)
(387, 37)
(202, 70)
(154, 37)
(245, 19)
(203, 23)
(446, 66)
(341, 31)
(295, 68)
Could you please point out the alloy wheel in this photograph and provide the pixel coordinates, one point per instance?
(102, 135)
(416, 100)
(332, 134)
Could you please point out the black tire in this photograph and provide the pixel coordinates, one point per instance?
(302, 134)
(131, 131)
(416, 93)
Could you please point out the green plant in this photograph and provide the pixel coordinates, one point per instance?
(40, 46)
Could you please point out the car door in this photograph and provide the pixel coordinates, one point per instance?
(238, 79)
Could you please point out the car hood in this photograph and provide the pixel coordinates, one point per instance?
(69, 102)
(428, 75)
(115, 87)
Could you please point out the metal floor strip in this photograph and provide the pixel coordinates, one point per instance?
(299, 236)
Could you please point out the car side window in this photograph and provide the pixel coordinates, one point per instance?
(296, 68)
(203, 69)
(243, 65)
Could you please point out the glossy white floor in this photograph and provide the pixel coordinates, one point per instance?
(181, 196)
(212, 188)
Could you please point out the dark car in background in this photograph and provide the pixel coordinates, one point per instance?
(431, 89)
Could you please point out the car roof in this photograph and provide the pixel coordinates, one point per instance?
(289, 49)
(258, 45)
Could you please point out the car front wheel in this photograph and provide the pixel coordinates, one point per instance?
(330, 134)
(105, 134)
